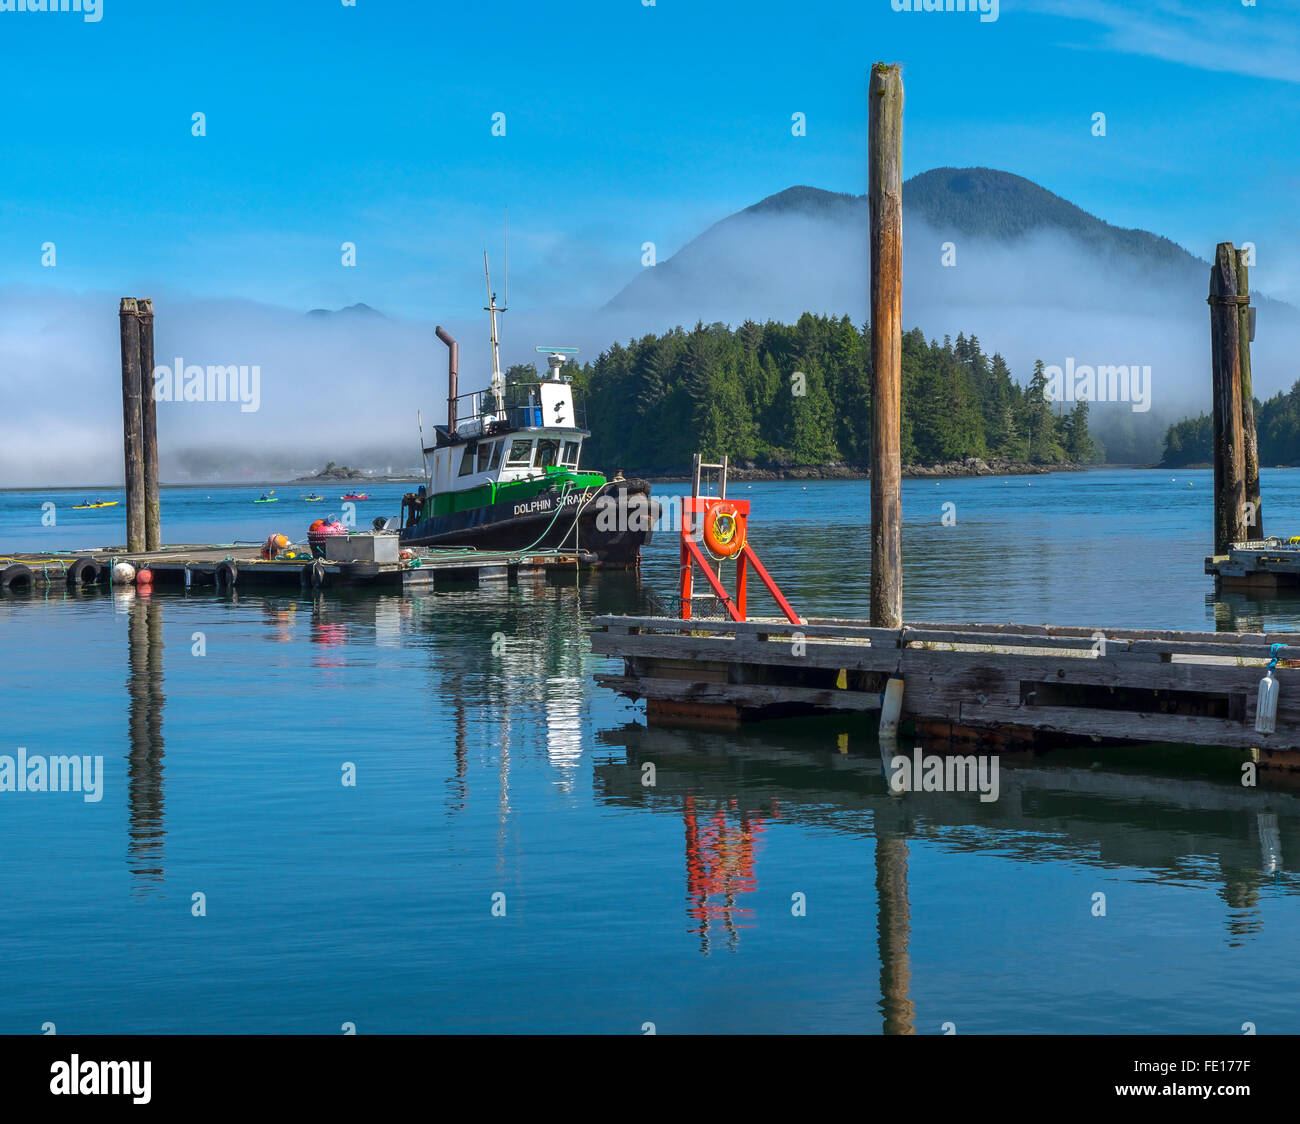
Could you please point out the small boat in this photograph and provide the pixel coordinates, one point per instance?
(97, 503)
(356, 496)
(312, 497)
(268, 497)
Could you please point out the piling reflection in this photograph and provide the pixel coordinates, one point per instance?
(144, 786)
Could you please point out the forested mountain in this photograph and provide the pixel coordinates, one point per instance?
(799, 394)
(1277, 427)
(1041, 276)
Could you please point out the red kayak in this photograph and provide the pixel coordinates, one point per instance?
(356, 496)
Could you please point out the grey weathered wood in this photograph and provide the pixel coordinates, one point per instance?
(1229, 452)
(1124, 725)
(739, 694)
(973, 676)
(885, 199)
(132, 444)
(149, 429)
(1250, 442)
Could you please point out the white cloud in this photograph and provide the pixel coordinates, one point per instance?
(1262, 40)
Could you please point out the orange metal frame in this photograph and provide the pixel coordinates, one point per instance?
(693, 511)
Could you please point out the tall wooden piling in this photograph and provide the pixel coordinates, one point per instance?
(132, 439)
(1254, 519)
(149, 429)
(885, 195)
(1229, 452)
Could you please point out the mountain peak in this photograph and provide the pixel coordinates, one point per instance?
(353, 310)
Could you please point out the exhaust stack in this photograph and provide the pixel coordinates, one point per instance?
(453, 366)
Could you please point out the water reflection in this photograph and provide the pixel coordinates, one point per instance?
(727, 786)
(144, 785)
(721, 847)
(1255, 610)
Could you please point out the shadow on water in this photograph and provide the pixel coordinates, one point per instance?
(727, 786)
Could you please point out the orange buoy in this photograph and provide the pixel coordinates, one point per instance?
(273, 545)
(724, 530)
(144, 577)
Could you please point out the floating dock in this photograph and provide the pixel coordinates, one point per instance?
(1264, 564)
(229, 567)
(1000, 686)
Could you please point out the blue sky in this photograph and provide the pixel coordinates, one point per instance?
(625, 123)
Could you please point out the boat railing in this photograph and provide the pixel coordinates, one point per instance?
(476, 411)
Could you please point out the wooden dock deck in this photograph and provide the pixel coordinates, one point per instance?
(1008, 686)
(231, 566)
(1264, 564)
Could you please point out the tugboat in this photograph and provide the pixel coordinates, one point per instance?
(504, 472)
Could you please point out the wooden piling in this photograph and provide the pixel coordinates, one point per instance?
(132, 441)
(1254, 518)
(885, 195)
(1229, 454)
(149, 429)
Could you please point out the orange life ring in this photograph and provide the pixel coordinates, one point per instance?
(724, 531)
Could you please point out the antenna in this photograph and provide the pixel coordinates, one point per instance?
(492, 311)
(506, 251)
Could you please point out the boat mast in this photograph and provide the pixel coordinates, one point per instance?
(492, 310)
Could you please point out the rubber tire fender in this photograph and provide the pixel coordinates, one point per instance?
(228, 574)
(16, 573)
(84, 571)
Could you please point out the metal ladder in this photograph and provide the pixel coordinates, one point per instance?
(699, 468)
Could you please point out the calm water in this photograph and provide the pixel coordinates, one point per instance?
(487, 763)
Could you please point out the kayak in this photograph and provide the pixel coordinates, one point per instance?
(272, 500)
(312, 499)
(90, 506)
(356, 496)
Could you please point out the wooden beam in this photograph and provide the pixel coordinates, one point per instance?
(149, 430)
(885, 195)
(132, 441)
(1254, 518)
(1229, 454)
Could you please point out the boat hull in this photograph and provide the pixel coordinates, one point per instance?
(613, 523)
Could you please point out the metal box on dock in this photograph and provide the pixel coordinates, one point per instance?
(361, 547)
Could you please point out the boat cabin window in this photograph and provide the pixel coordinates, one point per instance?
(548, 452)
(521, 450)
(486, 450)
(496, 455)
(570, 454)
(467, 461)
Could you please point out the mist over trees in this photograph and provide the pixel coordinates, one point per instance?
(1277, 427)
(778, 395)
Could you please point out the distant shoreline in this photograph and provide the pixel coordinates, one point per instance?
(969, 467)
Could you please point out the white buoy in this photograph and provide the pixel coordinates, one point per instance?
(891, 706)
(123, 573)
(1266, 705)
